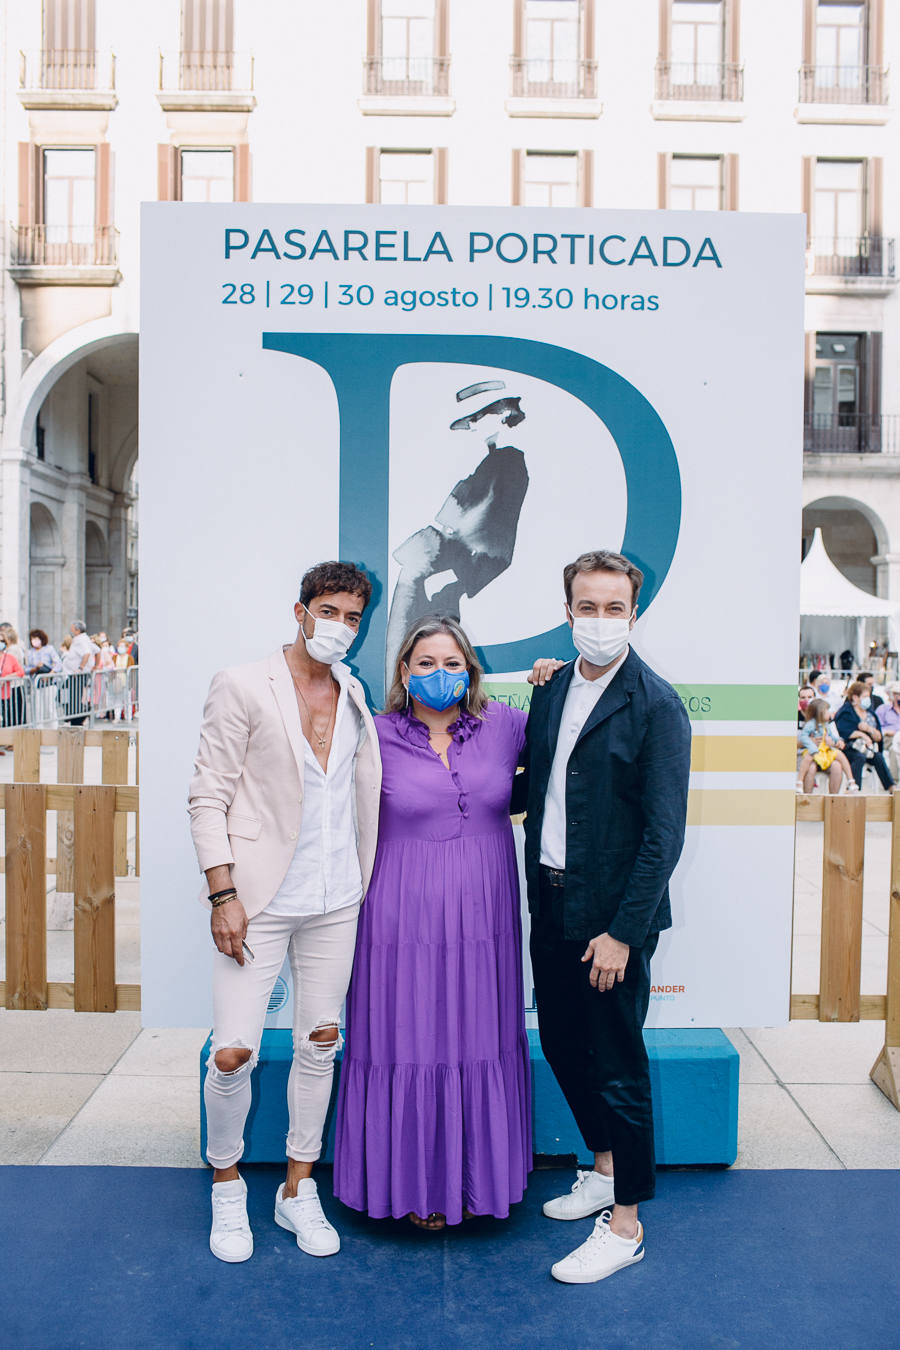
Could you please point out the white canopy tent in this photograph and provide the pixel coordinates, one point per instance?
(833, 611)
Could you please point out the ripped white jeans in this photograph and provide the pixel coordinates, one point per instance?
(321, 954)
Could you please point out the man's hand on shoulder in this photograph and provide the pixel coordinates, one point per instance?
(608, 958)
(228, 924)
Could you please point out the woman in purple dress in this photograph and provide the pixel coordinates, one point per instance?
(434, 1107)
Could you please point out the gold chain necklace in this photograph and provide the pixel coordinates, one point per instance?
(321, 737)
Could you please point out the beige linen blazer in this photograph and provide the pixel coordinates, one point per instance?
(246, 794)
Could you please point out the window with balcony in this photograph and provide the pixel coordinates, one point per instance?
(553, 41)
(698, 182)
(206, 72)
(843, 52)
(699, 51)
(68, 70)
(407, 48)
(65, 210)
(843, 398)
(842, 201)
(552, 178)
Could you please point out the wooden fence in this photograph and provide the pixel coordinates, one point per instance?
(839, 998)
(91, 851)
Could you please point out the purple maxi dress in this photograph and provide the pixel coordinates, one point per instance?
(434, 1105)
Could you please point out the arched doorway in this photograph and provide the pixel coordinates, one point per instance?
(96, 578)
(851, 538)
(854, 537)
(45, 573)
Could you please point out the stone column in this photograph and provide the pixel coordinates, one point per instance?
(14, 514)
(887, 585)
(118, 559)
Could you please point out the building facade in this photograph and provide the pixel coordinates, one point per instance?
(778, 105)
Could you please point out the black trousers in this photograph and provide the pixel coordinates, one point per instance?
(594, 1044)
(858, 762)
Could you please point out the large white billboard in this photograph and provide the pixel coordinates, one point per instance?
(462, 400)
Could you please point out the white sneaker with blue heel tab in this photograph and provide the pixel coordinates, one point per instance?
(601, 1255)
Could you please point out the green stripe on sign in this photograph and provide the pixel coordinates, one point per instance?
(704, 702)
(739, 702)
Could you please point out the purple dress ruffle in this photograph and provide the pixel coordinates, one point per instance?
(434, 1105)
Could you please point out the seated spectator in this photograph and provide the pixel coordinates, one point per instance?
(858, 727)
(41, 658)
(867, 678)
(889, 720)
(823, 749)
(804, 698)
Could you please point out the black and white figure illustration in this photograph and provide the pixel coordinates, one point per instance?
(473, 536)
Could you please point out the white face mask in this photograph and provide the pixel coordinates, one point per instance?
(330, 642)
(600, 641)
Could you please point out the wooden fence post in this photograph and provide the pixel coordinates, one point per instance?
(26, 755)
(886, 1069)
(26, 895)
(95, 900)
(842, 893)
(69, 769)
(115, 771)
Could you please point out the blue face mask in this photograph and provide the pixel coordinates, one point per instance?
(439, 689)
(823, 686)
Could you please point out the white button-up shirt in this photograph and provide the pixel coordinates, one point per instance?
(324, 873)
(581, 699)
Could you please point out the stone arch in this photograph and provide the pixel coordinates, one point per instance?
(46, 369)
(853, 533)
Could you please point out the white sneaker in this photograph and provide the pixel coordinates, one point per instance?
(302, 1214)
(231, 1238)
(603, 1254)
(591, 1193)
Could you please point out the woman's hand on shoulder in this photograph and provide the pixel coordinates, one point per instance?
(544, 669)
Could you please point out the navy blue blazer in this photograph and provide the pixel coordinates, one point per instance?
(626, 802)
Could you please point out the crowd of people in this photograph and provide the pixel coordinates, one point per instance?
(844, 727)
(78, 663)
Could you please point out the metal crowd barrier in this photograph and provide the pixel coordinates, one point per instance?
(82, 699)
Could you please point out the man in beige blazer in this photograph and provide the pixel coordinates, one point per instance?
(284, 817)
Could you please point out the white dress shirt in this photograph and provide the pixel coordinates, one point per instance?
(581, 699)
(324, 872)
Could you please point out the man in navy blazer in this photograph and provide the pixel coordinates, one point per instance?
(605, 786)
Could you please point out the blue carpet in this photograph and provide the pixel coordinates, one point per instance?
(107, 1257)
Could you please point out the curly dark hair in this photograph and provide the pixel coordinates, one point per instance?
(39, 633)
(329, 578)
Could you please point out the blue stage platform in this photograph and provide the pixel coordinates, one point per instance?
(695, 1101)
(98, 1258)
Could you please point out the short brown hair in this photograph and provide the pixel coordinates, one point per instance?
(477, 699)
(330, 578)
(857, 688)
(603, 560)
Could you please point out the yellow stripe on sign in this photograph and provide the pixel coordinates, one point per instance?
(741, 807)
(743, 754)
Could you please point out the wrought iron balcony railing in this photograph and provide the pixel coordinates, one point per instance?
(533, 77)
(845, 433)
(843, 84)
(64, 246)
(418, 76)
(721, 81)
(869, 255)
(67, 71)
(205, 72)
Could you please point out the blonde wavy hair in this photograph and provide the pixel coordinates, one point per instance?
(476, 701)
